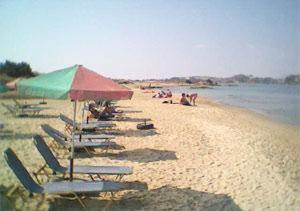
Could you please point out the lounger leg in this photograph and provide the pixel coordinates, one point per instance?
(112, 195)
(105, 150)
(47, 175)
(36, 177)
(91, 176)
(87, 150)
(16, 192)
(42, 169)
(68, 128)
(119, 177)
(12, 190)
(100, 177)
(80, 201)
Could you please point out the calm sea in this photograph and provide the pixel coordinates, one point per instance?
(278, 101)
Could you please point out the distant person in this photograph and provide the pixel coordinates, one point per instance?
(160, 94)
(184, 101)
(192, 98)
(169, 93)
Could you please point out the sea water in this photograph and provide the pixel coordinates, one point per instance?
(279, 101)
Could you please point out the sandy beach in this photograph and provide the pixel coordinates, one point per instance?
(204, 157)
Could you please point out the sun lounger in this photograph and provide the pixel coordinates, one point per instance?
(79, 136)
(61, 140)
(86, 108)
(33, 111)
(19, 105)
(61, 187)
(9, 108)
(84, 136)
(53, 163)
(26, 105)
(92, 126)
(23, 111)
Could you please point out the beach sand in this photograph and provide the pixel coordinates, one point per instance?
(204, 157)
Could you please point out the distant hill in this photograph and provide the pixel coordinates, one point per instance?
(240, 78)
(292, 79)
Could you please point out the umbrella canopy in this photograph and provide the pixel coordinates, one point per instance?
(3, 88)
(77, 82)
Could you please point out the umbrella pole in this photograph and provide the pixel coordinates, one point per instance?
(73, 136)
(82, 115)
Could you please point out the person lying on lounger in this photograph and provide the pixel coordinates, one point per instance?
(110, 109)
(162, 94)
(169, 93)
(104, 115)
(184, 101)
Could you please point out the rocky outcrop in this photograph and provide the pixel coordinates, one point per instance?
(292, 79)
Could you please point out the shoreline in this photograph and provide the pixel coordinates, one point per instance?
(211, 156)
(266, 113)
(259, 114)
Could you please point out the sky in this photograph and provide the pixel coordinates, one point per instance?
(154, 38)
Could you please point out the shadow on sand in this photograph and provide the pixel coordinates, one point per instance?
(163, 198)
(10, 135)
(133, 133)
(129, 119)
(39, 116)
(145, 155)
(131, 111)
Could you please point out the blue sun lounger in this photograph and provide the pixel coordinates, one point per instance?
(61, 140)
(53, 163)
(84, 126)
(62, 187)
(82, 136)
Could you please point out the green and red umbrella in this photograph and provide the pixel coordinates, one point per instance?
(76, 82)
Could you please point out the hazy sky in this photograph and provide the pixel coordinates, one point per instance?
(154, 39)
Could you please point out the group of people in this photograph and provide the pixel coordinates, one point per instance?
(188, 99)
(107, 113)
(162, 94)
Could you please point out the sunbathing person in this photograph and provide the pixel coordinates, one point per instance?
(192, 98)
(169, 93)
(110, 109)
(104, 115)
(184, 101)
(160, 94)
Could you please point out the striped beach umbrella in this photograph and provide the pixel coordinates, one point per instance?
(77, 83)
